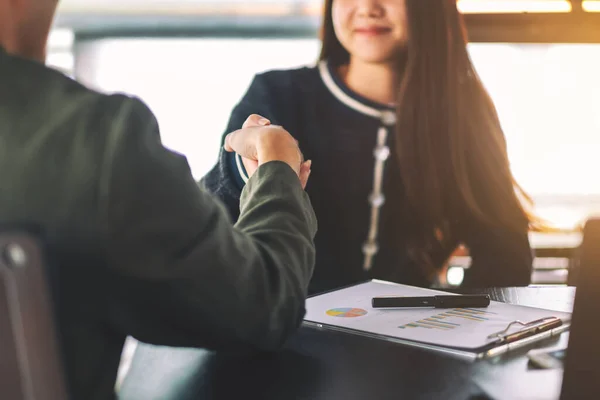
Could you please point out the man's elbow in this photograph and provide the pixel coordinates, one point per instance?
(277, 305)
(278, 326)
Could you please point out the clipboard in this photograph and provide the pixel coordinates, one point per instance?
(510, 333)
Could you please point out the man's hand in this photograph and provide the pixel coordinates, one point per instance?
(259, 142)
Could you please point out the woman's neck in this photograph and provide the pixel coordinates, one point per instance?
(376, 82)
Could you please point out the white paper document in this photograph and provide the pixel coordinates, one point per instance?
(464, 328)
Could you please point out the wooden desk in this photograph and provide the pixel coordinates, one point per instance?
(329, 365)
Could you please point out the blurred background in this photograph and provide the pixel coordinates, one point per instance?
(192, 60)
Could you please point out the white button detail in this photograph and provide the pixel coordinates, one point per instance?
(370, 248)
(377, 200)
(388, 117)
(15, 256)
(382, 153)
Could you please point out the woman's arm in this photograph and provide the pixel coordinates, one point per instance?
(499, 257)
(226, 180)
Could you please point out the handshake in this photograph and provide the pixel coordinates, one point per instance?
(259, 142)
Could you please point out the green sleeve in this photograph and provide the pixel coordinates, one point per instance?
(180, 273)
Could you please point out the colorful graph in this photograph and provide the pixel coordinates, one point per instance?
(346, 312)
(449, 320)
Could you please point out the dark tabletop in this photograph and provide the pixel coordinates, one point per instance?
(334, 365)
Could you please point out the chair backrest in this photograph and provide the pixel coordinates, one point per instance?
(30, 360)
(582, 365)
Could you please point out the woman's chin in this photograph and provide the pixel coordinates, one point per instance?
(376, 58)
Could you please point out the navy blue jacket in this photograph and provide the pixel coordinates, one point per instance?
(338, 129)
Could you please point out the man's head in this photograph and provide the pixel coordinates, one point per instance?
(24, 26)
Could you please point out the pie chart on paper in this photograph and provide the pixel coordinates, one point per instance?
(346, 312)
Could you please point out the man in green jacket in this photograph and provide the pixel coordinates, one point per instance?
(137, 247)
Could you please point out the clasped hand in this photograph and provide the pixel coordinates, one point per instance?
(259, 142)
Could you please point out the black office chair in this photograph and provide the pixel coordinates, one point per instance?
(30, 361)
(582, 368)
(576, 256)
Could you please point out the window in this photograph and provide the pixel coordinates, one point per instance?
(546, 97)
(59, 52)
(190, 84)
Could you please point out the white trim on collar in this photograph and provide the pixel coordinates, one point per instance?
(343, 97)
(238, 162)
(387, 119)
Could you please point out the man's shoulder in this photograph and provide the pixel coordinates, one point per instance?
(49, 91)
(30, 79)
(41, 105)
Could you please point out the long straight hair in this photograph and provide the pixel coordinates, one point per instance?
(451, 149)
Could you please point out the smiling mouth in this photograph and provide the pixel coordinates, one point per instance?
(374, 31)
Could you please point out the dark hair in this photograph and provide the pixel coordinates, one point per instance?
(450, 146)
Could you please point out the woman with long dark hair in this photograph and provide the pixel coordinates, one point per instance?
(408, 156)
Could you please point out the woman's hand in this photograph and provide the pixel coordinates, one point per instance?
(258, 142)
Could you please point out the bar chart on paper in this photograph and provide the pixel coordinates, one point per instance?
(465, 328)
(450, 319)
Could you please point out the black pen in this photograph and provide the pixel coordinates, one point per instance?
(475, 301)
